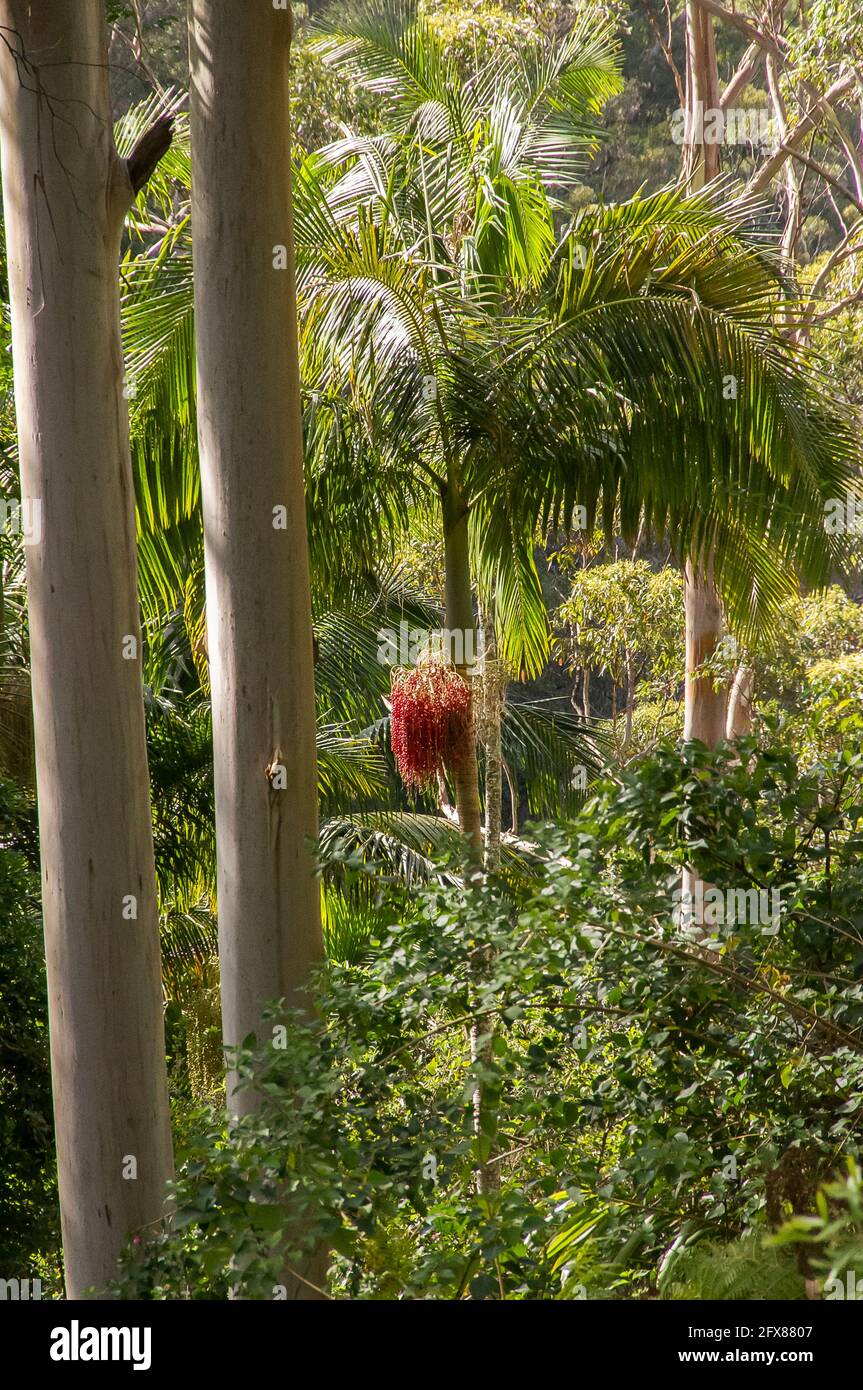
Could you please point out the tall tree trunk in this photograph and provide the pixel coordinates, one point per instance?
(488, 1171)
(702, 699)
(492, 710)
(460, 619)
(704, 712)
(700, 158)
(705, 700)
(739, 719)
(630, 705)
(65, 195)
(256, 551)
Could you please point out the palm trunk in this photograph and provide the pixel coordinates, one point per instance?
(703, 717)
(460, 619)
(66, 192)
(491, 732)
(256, 552)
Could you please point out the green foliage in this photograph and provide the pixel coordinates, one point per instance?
(832, 1236)
(741, 1272)
(624, 619)
(653, 722)
(643, 1088)
(831, 39)
(579, 365)
(29, 1215)
(823, 626)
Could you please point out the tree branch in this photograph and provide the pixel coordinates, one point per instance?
(825, 174)
(665, 45)
(808, 122)
(742, 76)
(150, 149)
(745, 26)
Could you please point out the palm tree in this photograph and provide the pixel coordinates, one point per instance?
(347, 456)
(587, 369)
(523, 374)
(395, 254)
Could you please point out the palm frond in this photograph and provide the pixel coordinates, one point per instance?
(555, 753)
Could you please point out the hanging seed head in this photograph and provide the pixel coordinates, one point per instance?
(431, 722)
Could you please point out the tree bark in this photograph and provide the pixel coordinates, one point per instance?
(492, 739)
(460, 619)
(704, 706)
(256, 550)
(739, 718)
(65, 193)
(630, 706)
(700, 159)
(704, 702)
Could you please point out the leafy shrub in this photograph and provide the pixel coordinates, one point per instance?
(642, 1085)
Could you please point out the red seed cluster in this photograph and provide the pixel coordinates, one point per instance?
(431, 722)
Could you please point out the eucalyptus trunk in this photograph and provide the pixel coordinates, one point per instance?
(705, 697)
(65, 194)
(256, 551)
(700, 159)
(739, 718)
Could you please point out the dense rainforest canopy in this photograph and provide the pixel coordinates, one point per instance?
(431, 687)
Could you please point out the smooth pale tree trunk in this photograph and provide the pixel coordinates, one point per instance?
(705, 701)
(739, 719)
(259, 619)
(256, 552)
(703, 717)
(700, 157)
(488, 1172)
(65, 193)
